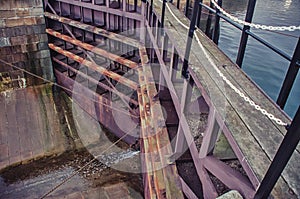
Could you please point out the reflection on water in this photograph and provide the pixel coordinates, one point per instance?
(287, 4)
(265, 67)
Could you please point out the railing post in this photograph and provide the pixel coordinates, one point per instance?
(244, 38)
(285, 151)
(208, 22)
(199, 14)
(290, 77)
(150, 12)
(163, 10)
(217, 25)
(178, 4)
(192, 28)
(187, 5)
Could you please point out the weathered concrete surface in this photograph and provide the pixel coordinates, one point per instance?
(35, 122)
(231, 195)
(23, 43)
(37, 178)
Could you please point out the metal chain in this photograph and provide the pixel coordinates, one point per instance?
(247, 99)
(228, 82)
(253, 25)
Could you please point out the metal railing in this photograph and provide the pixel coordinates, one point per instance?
(292, 137)
(294, 60)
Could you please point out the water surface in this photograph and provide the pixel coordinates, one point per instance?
(265, 67)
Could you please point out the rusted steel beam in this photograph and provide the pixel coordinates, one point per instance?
(183, 121)
(95, 81)
(93, 49)
(105, 9)
(93, 29)
(156, 134)
(150, 190)
(149, 142)
(95, 67)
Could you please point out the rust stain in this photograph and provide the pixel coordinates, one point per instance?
(94, 49)
(165, 181)
(95, 67)
(96, 30)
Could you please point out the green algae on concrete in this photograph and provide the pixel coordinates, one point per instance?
(43, 124)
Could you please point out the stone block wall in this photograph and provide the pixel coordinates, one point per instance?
(23, 43)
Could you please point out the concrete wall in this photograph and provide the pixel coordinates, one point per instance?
(23, 42)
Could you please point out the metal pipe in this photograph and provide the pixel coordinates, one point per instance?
(270, 46)
(244, 38)
(285, 151)
(192, 28)
(290, 77)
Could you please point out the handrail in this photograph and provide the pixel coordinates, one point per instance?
(294, 60)
(253, 35)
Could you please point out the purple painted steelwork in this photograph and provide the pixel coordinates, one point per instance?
(154, 132)
(96, 106)
(105, 9)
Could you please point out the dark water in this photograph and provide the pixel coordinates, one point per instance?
(264, 66)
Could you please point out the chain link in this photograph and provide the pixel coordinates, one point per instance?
(253, 25)
(228, 82)
(247, 99)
